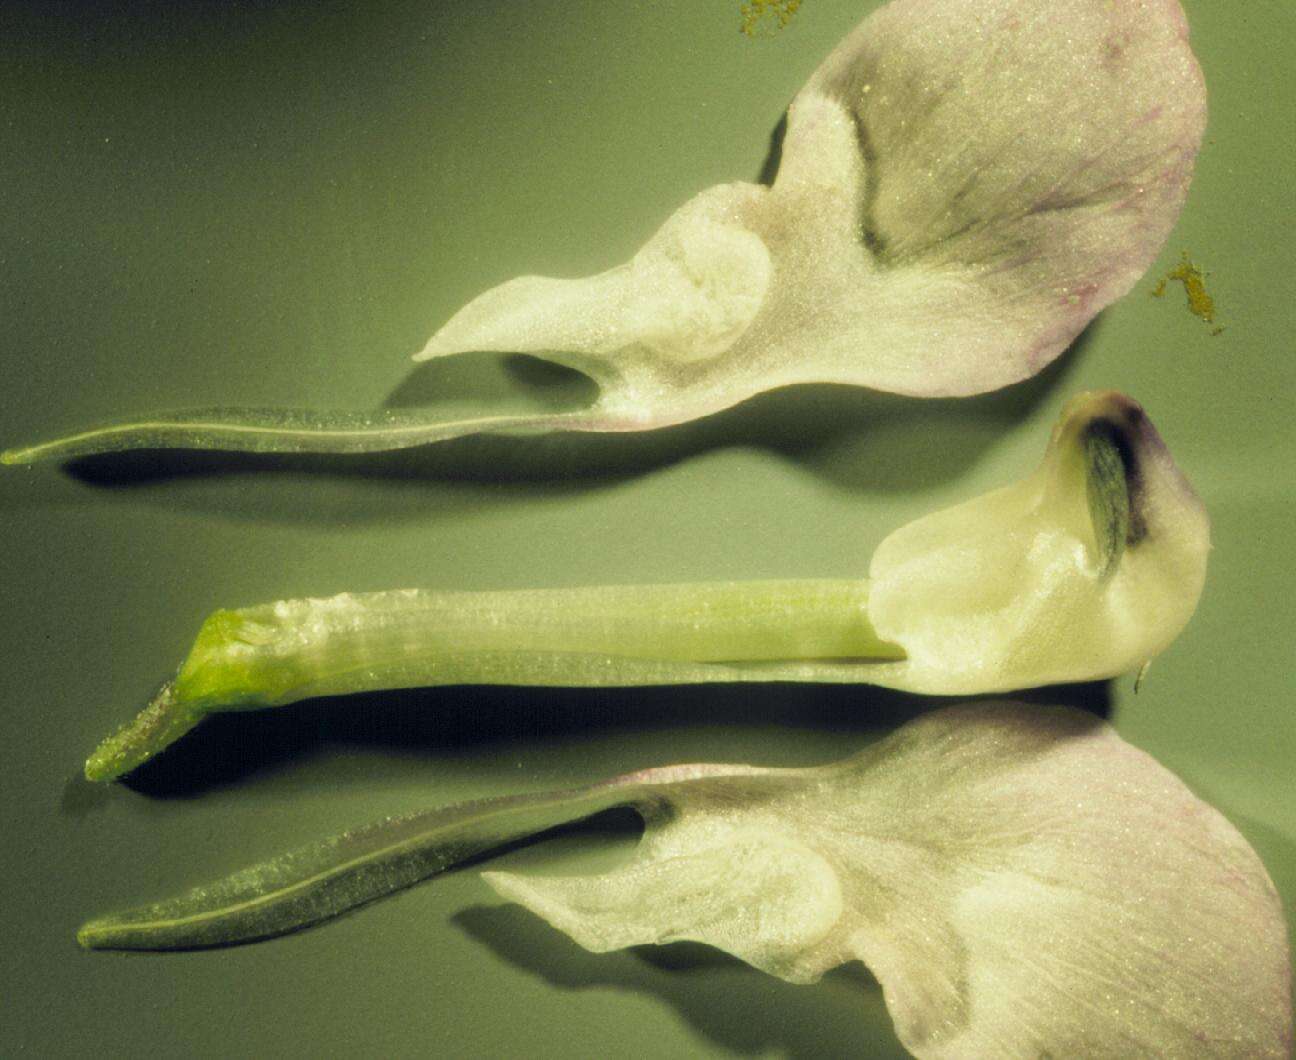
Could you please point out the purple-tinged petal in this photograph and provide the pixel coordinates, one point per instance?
(963, 185)
(1021, 881)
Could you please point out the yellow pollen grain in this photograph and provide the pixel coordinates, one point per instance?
(1200, 303)
(759, 14)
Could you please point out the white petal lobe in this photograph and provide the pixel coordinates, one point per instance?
(1021, 881)
(760, 897)
(961, 188)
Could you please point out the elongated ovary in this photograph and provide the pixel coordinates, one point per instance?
(1084, 569)
(278, 653)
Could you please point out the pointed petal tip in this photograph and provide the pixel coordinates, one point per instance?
(152, 730)
(542, 897)
(503, 883)
(103, 933)
(1120, 411)
(99, 769)
(1151, 470)
(531, 893)
(436, 346)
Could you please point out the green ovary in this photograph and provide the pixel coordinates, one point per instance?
(274, 654)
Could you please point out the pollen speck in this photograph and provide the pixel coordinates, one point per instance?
(758, 15)
(1200, 303)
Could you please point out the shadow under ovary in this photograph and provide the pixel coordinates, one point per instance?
(422, 724)
(82, 797)
(862, 440)
(227, 748)
(729, 1002)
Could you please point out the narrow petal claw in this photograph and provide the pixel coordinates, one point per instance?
(294, 431)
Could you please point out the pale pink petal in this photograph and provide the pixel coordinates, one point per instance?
(963, 185)
(1021, 881)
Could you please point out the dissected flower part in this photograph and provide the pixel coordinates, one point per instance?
(1084, 569)
(962, 187)
(1021, 881)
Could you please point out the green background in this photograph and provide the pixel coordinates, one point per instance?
(265, 203)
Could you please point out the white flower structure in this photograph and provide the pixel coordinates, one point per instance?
(1020, 880)
(962, 187)
(1084, 569)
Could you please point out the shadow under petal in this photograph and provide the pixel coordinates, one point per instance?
(774, 155)
(728, 1002)
(499, 382)
(861, 440)
(424, 724)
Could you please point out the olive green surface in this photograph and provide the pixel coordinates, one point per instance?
(277, 203)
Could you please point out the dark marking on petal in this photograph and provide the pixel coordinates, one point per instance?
(870, 234)
(1115, 483)
(1108, 497)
